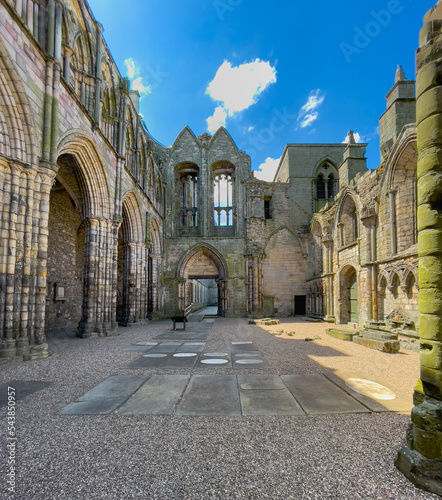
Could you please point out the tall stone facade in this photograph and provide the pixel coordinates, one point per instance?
(82, 205)
(362, 264)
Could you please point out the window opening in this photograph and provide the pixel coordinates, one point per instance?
(222, 200)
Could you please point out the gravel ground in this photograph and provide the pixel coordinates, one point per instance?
(155, 457)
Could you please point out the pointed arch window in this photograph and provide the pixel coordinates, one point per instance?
(223, 199)
(320, 188)
(189, 199)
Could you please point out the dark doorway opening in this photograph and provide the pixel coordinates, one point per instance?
(300, 305)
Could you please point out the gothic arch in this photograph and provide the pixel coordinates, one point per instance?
(155, 239)
(91, 174)
(404, 148)
(209, 252)
(281, 228)
(348, 213)
(18, 138)
(319, 164)
(348, 286)
(132, 226)
(410, 277)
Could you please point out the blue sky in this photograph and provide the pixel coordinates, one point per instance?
(273, 73)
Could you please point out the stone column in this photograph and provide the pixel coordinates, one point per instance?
(369, 220)
(100, 279)
(421, 459)
(393, 235)
(328, 284)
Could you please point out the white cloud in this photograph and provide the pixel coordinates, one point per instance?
(267, 170)
(217, 120)
(356, 135)
(307, 120)
(133, 72)
(131, 69)
(237, 88)
(308, 114)
(137, 84)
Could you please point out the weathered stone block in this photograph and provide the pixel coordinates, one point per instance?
(390, 346)
(431, 354)
(428, 217)
(427, 442)
(431, 327)
(429, 130)
(430, 102)
(432, 382)
(346, 335)
(430, 300)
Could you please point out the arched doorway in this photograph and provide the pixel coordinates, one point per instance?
(82, 176)
(202, 280)
(132, 266)
(348, 295)
(353, 298)
(65, 257)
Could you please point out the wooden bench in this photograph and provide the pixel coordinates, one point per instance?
(182, 318)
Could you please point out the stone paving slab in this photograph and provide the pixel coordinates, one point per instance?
(179, 362)
(269, 402)
(266, 395)
(261, 382)
(318, 395)
(144, 362)
(166, 347)
(158, 396)
(370, 403)
(192, 347)
(118, 386)
(93, 407)
(138, 348)
(22, 389)
(183, 335)
(211, 395)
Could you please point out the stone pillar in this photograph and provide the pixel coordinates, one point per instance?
(99, 294)
(393, 234)
(135, 283)
(328, 284)
(369, 219)
(421, 459)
